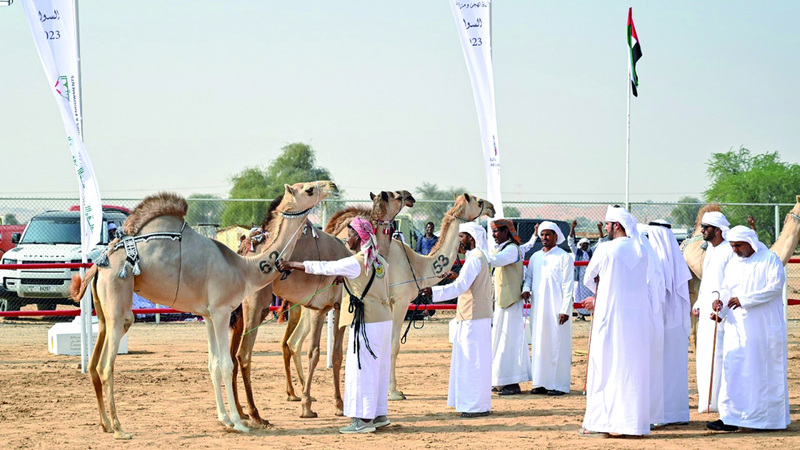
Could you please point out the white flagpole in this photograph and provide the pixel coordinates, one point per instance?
(628, 143)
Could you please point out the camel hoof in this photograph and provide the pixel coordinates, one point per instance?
(397, 395)
(308, 415)
(106, 427)
(121, 435)
(339, 412)
(292, 398)
(241, 428)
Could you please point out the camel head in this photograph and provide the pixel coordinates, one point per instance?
(304, 196)
(470, 207)
(387, 204)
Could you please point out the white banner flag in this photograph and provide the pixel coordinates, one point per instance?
(53, 26)
(474, 29)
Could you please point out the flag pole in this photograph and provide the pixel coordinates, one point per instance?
(628, 145)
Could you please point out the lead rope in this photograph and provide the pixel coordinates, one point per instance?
(413, 319)
(356, 308)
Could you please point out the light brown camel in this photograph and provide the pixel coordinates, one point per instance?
(407, 266)
(179, 268)
(694, 252)
(312, 292)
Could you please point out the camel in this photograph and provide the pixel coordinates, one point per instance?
(694, 252)
(411, 271)
(313, 293)
(179, 268)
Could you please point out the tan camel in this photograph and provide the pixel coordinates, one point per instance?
(408, 266)
(694, 252)
(313, 293)
(179, 268)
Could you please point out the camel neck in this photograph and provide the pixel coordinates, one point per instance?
(282, 240)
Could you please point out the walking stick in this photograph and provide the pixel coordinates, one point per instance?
(713, 352)
(591, 327)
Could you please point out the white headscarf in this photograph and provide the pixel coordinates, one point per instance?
(628, 223)
(547, 225)
(676, 271)
(583, 241)
(716, 219)
(741, 233)
(476, 231)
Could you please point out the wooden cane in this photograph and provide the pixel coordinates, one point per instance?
(713, 352)
(589, 349)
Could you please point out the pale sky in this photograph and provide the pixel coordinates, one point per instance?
(181, 95)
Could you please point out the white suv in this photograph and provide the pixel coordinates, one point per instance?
(50, 237)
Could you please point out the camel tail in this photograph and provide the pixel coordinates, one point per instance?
(236, 314)
(78, 287)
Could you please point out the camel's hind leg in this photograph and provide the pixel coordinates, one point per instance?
(317, 318)
(220, 366)
(116, 305)
(236, 328)
(398, 320)
(105, 422)
(295, 317)
(254, 310)
(338, 354)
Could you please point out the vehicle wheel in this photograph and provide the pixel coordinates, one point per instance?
(47, 306)
(10, 304)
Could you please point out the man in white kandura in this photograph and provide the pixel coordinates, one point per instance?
(618, 385)
(366, 375)
(656, 294)
(581, 252)
(677, 323)
(471, 361)
(510, 358)
(754, 391)
(548, 284)
(714, 227)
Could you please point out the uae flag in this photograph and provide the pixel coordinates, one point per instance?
(635, 51)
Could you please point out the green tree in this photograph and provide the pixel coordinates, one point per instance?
(738, 176)
(435, 202)
(204, 208)
(10, 219)
(684, 215)
(296, 163)
(510, 211)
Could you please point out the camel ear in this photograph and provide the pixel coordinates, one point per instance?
(384, 196)
(798, 199)
(371, 196)
(466, 197)
(289, 189)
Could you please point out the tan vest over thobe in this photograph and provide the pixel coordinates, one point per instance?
(476, 303)
(508, 281)
(376, 302)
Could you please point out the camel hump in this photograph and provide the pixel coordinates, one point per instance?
(157, 205)
(341, 218)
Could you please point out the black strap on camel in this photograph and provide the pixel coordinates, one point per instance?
(356, 308)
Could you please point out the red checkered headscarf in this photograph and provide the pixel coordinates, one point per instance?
(369, 243)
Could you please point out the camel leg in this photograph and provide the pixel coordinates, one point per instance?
(105, 422)
(338, 353)
(220, 366)
(296, 341)
(286, 351)
(313, 359)
(119, 318)
(398, 320)
(254, 312)
(237, 329)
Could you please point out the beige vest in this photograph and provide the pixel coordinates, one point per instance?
(508, 281)
(376, 302)
(476, 303)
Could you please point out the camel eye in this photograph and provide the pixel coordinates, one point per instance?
(310, 191)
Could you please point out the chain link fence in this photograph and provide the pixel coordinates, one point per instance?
(47, 230)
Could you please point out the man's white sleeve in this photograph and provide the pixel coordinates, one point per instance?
(506, 256)
(773, 286)
(567, 278)
(470, 270)
(345, 267)
(527, 277)
(593, 269)
(572, 246)
(524, 248)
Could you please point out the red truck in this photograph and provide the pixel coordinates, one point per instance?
(7, 238)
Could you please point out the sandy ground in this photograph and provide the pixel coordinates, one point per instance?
(165, 399)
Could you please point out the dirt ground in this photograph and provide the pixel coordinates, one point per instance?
(165, 399)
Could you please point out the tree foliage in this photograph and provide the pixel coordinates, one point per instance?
(204, 208)
(738, 176)
(10, 219)
(685, 214)
(296, 163)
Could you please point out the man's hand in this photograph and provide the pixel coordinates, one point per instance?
(285, 266)
(449, 275)
(588, 303)
(716, 305)
(696, 312)
(426, 292)
(715, 317)
(536, 230)
(751, 222)
(574, 224)
(526, 296)
(338, 280)
(733, 303)
(562, 319)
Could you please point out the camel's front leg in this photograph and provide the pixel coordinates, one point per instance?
(105, 422)
(220, 366)
(116, 328)
(338, 354)
(313, 359)
(286, 352)
(296, 340)
(399, 314)
(235, 341)
(254, 315)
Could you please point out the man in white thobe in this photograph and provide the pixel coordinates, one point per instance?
(677, 323)
(471, 361)
(510, 357)
(655, 293)
(714, 227)
(548, 285)
(366, 375)
(581, 252)
(618, 384)
(754, 391)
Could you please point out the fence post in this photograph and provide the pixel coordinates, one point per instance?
(777, 224)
